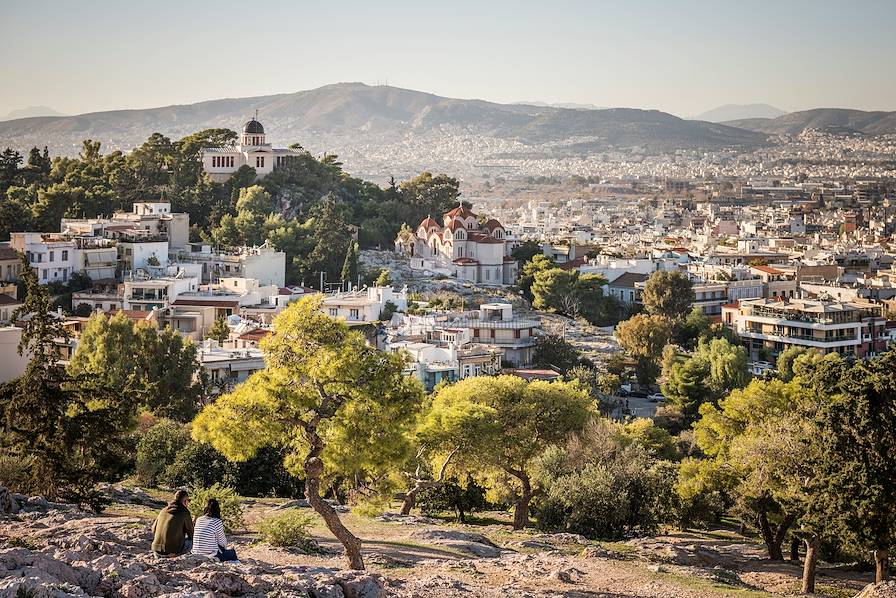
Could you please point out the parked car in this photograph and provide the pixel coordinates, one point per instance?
(638, 394)
(656, 397)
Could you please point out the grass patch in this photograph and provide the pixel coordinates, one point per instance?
(618, 547)
(702, 585)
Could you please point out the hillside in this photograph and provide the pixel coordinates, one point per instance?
(51, 549)
(730, 112)
(354, 119)
(837, 119)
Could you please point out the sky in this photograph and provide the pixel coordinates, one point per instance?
(679, 56)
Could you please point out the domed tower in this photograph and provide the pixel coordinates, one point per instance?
(253, 133)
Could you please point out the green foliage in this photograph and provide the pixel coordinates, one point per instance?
(643, 337)
(69, 430)
(219, 331)
(501, 424)
(290, 529)
(603, 485)
(460, 498)
(158, 448)
(601, 387)
(383, 279)
(573, 294)
(538, 263)
(785, 362)
(554, 351)
(713, 370)
(668, 294)
(525, 251)
(228, 500)
(156, 369)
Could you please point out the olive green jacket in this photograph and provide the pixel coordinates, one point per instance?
(170, 529)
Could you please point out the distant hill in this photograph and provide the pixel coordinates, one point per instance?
(30, 112)
(387, 129)
(570, 105)
(833, 119)
(730, 112)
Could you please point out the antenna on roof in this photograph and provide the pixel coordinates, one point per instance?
(256, 114)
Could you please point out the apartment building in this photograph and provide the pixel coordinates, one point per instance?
(263, 263)
(437, 361)
(364, 305)
(145, 293)
(52, 255)
(146, 220)
(769, 326)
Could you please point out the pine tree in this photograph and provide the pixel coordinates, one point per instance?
(350, 265)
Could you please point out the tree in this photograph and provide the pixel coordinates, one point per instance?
(711, 372)
(570, 293)
(858, 472)
(350, 265)
(504, 422)
(383, 280)
(328, 399)
(668, 294)
(554, 351)
(155, 369)
(525, 251)
(786, 359)
(538, 263)
(219, 331)
(69, 430)
(643, 338)
(727, 435)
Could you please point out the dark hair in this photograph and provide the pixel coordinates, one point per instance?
(212, 508)
(181, 495)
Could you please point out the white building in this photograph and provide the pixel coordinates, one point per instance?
(144, 293)
(50, 254)
(221, 162)
(364, 305)
(147, 220)
(473, 252)
(262, 263)
(228, 367)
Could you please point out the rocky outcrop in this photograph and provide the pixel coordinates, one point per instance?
(468, 543)
(884, 589)
(66, 552)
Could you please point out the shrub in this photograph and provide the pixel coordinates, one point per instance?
(158, 448)
(459, 498)
(231, 514)
(15, 473)
(289, 529)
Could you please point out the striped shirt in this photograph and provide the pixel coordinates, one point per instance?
(208, 536)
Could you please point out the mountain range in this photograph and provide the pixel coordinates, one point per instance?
(839, 120)
(730, 112)
(347, 116)
(31, 111)
(382, 130)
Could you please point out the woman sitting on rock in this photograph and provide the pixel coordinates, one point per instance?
(208, 534)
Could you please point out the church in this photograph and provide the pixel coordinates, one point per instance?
(474, 252)
(221, 162)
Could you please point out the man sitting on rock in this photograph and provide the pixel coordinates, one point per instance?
(173, 528)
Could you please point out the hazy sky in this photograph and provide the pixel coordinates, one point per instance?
(681, 56)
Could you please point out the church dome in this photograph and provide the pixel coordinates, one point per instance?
(253, 127)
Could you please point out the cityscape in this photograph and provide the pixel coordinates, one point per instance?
(365, 340)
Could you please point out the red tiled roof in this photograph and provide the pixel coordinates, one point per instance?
(459, 211)
(8, 253)
(734, 305)
(429, 222)
(534, 374)
(492, 224)
(454, 225)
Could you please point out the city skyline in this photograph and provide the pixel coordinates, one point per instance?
(794, 56)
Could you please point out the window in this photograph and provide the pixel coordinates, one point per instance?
(259, 161)
(52, 255)
(65, 255)
(353, 314)
(334, 312)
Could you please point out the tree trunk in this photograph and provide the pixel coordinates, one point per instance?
(314, 469)
(795, 549)
(774, 538)
(410, 497)
(521, 508)
(812, 544)
(881, 565)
